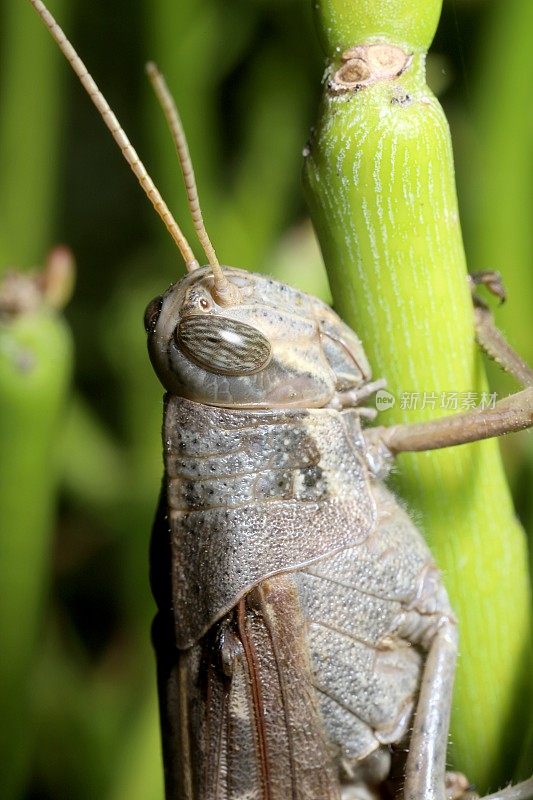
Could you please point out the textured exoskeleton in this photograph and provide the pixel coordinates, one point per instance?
(301, 616)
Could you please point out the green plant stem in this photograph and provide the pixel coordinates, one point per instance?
(35, 365)
(380, 184)
(28, 152)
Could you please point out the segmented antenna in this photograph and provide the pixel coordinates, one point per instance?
(127, 149)
(170, 110)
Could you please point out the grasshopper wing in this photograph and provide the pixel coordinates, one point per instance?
(239, 709)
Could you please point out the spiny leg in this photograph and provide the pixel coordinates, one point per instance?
(521, 791)
(489, 338)
(426, 762)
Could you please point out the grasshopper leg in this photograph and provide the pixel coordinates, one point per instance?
(425, 777)
(513, 413)
(492, 280)
(520, 791)
(425, 769)
(489, 338)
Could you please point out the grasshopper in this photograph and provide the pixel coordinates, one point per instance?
(303, 634)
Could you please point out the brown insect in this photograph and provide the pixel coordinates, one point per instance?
(304, 635)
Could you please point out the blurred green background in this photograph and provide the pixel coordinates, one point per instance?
(246, 75)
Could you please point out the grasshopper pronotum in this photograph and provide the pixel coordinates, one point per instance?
(303, 630)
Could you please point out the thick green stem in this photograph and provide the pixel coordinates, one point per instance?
(35, 364)
(380, 184)
(342, 25)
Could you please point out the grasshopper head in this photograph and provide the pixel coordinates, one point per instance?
(273, 347)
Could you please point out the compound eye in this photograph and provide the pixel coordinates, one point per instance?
(151, 315)
(223, 346)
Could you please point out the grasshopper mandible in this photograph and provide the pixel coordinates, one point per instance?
(303, 628)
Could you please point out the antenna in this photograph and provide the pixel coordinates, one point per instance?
(226, 291)
(127, 149)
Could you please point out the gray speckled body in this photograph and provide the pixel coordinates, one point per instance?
(297, 599)
(371, 611)
(253, 494)
(245, 488)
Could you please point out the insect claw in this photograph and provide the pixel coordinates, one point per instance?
(492, 280)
